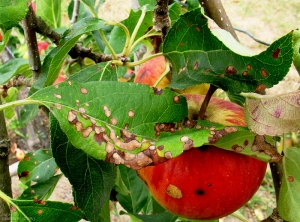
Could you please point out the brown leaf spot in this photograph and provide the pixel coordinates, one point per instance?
(57, 96)
(83, 90)
(184, 139)
(181, 44)
(249, 67)
(69, 82)
(32, 191)
(161, 147)
(13, 209)
(260, 87)
(198, 29)
(78, 126)
(56, 86)
(86, 132)
(230, 129)
(72, 115)
(57, 106)
(99, 129)
(86, 104)
(264, 73)
(245, 73)
(237, 148)
(24, 173)
(157, 91)
(113, 121)
(198, 126)
(168, 155)
(276, 53)
(43, 202)
(130, 113)
(174, 191)
(109, 147)
(246, 142)
(176, 99)
(290, 179)
(106, 111)
(230, 70)
(40, 211)
(82, 110)
(196, 65)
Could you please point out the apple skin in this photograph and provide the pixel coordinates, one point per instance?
(150, 71)
(208, 182)
(42, 46)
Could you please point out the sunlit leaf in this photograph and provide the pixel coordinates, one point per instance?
(49, 11)
(273, 115)
(198, 56)
(289, 195)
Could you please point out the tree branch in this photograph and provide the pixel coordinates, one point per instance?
(75, 11)
(161, 18)
(31, 42)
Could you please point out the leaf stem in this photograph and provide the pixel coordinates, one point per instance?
(131, 64)
(18, 103)
(167, 70)
(204, 105)
(9, 202)
(114, 55)
(135, 31)
(149, 34)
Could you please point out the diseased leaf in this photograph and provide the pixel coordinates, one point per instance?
(40, 191)
(39, 166)
(197, 56)
(12, 12)
(49, 11)
(288, 204)
(273, 115)
(296, 42)
(92, 179)
(41, 211)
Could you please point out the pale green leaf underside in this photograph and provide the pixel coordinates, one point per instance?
(289, 196)
(273, 115)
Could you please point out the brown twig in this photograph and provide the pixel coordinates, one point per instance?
(161, 20)
(31, 41)
(215, 10)
(206, 100)
(276, 175)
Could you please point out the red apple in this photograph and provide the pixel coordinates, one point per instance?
(150, 72)
(1, 37)
(60, 78)
(20, 154)
(208, 182)
(42, 46)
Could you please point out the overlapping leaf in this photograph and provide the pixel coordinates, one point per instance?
(12, 68)
(92, 179)
(12, 12)
(197, 56)
(289, 195)
(50, 12)
(273, 115)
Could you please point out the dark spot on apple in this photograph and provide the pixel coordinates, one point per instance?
(230, 70)
(25, 173)
(264, 73)
(209, 185)
(200, 192)
(276, 53)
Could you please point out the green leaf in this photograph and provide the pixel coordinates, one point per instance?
(40, 191)
(12, 68)
(49, 11)
(296, 42)
(92, 179)
(198, 56)
(94, 114)
(118, 39)
(150, 4)
(138, 192)
(55, 58)
(5, 39)
(90, 5)
(39, 166)
(28, 112)
(165, 216)
(12, 12)
(99, 72)
(289, 195)
(273, 115)
(41, 211)
(174, 12)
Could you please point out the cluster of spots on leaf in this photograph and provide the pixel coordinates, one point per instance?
(127, 142)
(42, 202)
(217, 134)
(188, 143)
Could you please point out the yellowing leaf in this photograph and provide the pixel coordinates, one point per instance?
(273, 115)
